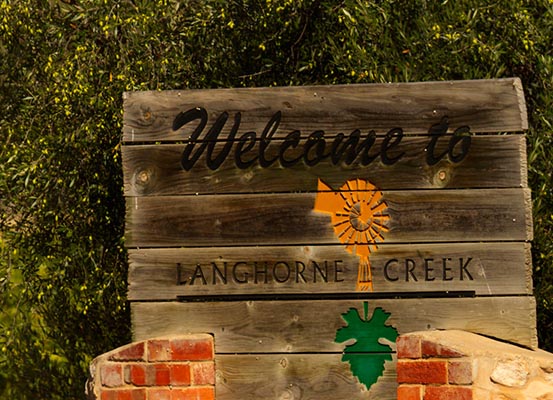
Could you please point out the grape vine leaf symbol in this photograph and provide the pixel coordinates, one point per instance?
(367, 355)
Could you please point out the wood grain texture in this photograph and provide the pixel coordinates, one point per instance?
(453, 227)
(310, 326)
(296, 376)
(484, 105)
(265, 219)
(491, 269)
(492, 162)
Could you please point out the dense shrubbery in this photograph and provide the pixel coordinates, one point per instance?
(64, 66)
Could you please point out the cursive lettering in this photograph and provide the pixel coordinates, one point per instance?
(342, 149)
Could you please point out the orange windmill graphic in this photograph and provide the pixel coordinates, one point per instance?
(358, 216)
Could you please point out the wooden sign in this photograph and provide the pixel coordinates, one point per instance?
(307, 227)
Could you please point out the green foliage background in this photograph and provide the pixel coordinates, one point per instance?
(64, 66)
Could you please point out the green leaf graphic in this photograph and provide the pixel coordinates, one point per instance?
(367, 355)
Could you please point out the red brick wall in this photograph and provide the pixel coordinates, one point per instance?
(426, 370)
(175, 368)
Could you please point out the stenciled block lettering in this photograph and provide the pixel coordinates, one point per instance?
(260, 272)
(428, 269)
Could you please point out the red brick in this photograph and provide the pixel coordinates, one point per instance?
(138, 394)
(159, 350)
(159, 394)
(111, 375)
(410, 392)
(109, 394)
(194, 393)
(203, 373)
(162, 375)
(448, 393)
(433, 349)
(180, 374)
(408, 347)
(191, 349)
(140, 374)
(132, 352)
(135, 374)
(459, 372)
(124, 394)
(421, 372)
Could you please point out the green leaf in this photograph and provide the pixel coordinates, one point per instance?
(367, 355)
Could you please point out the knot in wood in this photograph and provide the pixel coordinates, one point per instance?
(143, 177)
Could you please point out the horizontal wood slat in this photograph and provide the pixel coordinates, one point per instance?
(485, 268)
(310, 325)
(492, 162)
(484, 105)
(295, 376)
(415, 216)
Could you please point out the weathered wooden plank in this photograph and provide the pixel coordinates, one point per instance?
(485, 268)
(296, 376)
(483, 105)
(264, 219)
(492, 162)
(310, 326)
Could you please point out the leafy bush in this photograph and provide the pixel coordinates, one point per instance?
(64, 66)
